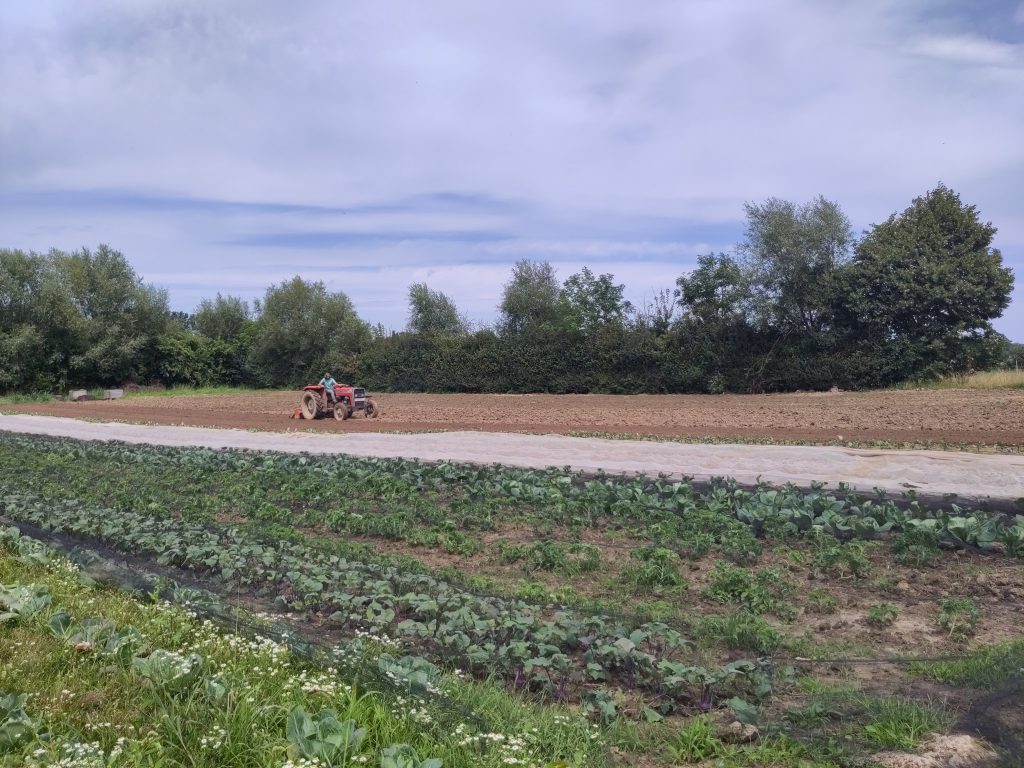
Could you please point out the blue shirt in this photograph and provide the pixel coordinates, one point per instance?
(328, 383)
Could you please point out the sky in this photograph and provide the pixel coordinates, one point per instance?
(225, 146)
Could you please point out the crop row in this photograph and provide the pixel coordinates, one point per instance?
(556, 654)
(393, 498)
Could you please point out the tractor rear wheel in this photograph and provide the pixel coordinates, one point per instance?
(340, 412)
(309, 405)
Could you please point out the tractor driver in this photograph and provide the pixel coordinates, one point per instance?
(328, 382)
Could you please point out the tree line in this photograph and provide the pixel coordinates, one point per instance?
(800, 303)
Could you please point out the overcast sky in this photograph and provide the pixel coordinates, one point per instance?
(224, 146)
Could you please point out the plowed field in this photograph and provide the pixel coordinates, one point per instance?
(940, 416)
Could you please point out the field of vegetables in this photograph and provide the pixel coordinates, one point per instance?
(635, 621)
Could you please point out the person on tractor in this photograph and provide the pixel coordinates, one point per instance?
(328, 382)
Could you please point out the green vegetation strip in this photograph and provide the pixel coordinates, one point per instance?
(91, 677)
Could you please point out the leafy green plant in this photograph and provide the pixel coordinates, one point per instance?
(918, 544)
(404, 756)
(842, 559)
(21, 603)
(959, 617)
(882, 615)
(740, 545)
(16, 727)
(820, 601)
(658, 567)
(764, 591)
(601, 706)
(323, 737)
(169, 671)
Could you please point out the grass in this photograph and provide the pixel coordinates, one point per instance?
(1000, 379)
(26, 397)
(234, 712)
(895, 723)
(986, 668)
(178, 391)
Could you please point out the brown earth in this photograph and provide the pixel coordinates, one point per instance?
(973, 417)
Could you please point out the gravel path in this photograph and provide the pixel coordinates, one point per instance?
(929, 473)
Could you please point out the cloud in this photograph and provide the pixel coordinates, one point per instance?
(969, 49)
(244, 137)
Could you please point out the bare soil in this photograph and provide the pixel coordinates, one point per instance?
(973, 417)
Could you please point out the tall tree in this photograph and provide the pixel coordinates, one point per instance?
(23, 348)
(223, 318)
(926, 284)
(531, 298)
(792, 255)
(303, 330)
(592, 301)
(111, 319)
(433, 313)
(714, 291)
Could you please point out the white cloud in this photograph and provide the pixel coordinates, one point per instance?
(969, 49)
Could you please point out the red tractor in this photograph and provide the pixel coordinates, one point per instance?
(347, 402)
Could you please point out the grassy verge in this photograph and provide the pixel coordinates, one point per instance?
(180, 391)
(184, 693)
(1002, 379)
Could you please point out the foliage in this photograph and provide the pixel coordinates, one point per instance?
(82, 318)
(923, 288)
(793, 256)
(531, 299)
(788, 310)
(303, 330)
(959, 617)
(433, 313)
(882, 614)
(323, 737)
(591, 302)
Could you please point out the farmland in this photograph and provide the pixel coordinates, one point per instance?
(635, 621)
(982, 419)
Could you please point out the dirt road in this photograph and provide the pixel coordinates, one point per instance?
(970, 476)
(913, 416)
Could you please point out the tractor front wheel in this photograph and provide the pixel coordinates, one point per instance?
(309, 405)
(372, 411)
(340, 412)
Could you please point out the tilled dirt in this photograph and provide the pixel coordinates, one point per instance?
(975, 417)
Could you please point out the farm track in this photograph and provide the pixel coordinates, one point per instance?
(972, 417)
(930, 474)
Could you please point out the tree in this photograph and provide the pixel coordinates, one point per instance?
(591, 302)
(223, 318)
(714, 291)
(531, 298)
(110, 320)
(304, 330)
(433, 313)
(23, 354)
(926, 284)
(792, 255)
